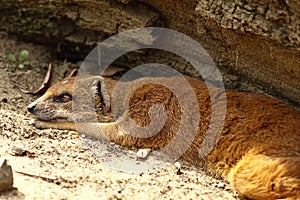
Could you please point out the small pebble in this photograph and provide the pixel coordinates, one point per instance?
(18, 96)
(8, 133)
(18, 151)
(73, 133)
(143, 153)
(178, 165)
(220, 185)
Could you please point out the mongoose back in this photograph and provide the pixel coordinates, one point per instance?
(257, 152)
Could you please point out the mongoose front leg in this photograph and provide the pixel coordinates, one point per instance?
(107, 131)
(55, 125)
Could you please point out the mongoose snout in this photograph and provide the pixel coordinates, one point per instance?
(31, 107)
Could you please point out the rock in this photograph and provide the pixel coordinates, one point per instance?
(258, 40)
(143, 153)
(220, 185)
(6, 175)
(177, 165)
(18, 151)
(73, 133)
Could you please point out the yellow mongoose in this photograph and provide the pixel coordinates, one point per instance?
(258, 150)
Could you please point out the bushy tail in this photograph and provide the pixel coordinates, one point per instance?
(265, 177)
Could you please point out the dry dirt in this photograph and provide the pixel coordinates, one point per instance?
(65, 167)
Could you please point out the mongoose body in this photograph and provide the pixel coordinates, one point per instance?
(258, 150)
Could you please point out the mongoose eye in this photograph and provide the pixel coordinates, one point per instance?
(63, 98)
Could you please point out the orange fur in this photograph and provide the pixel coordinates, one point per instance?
(258, 151)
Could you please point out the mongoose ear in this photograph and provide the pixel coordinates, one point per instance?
(102, 96)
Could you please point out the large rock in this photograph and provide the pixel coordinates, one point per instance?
(6, 175)
(259, 40)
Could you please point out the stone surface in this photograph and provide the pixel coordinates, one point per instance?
(278, 20)
(257, 40)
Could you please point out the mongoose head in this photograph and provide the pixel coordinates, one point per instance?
(74, 99)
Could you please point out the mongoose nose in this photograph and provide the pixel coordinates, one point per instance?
(31, 107)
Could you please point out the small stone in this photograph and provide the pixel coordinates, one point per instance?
(73, 133)
(143, 153)
(6, 175)
(8, 133)
(178, 165)
(18, 96)
(18, 151)
(220, 185)
(18, 131)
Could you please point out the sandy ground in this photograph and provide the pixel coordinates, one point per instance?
(65, 166)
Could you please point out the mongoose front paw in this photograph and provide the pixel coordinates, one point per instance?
(36, 123)
(40, 124)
